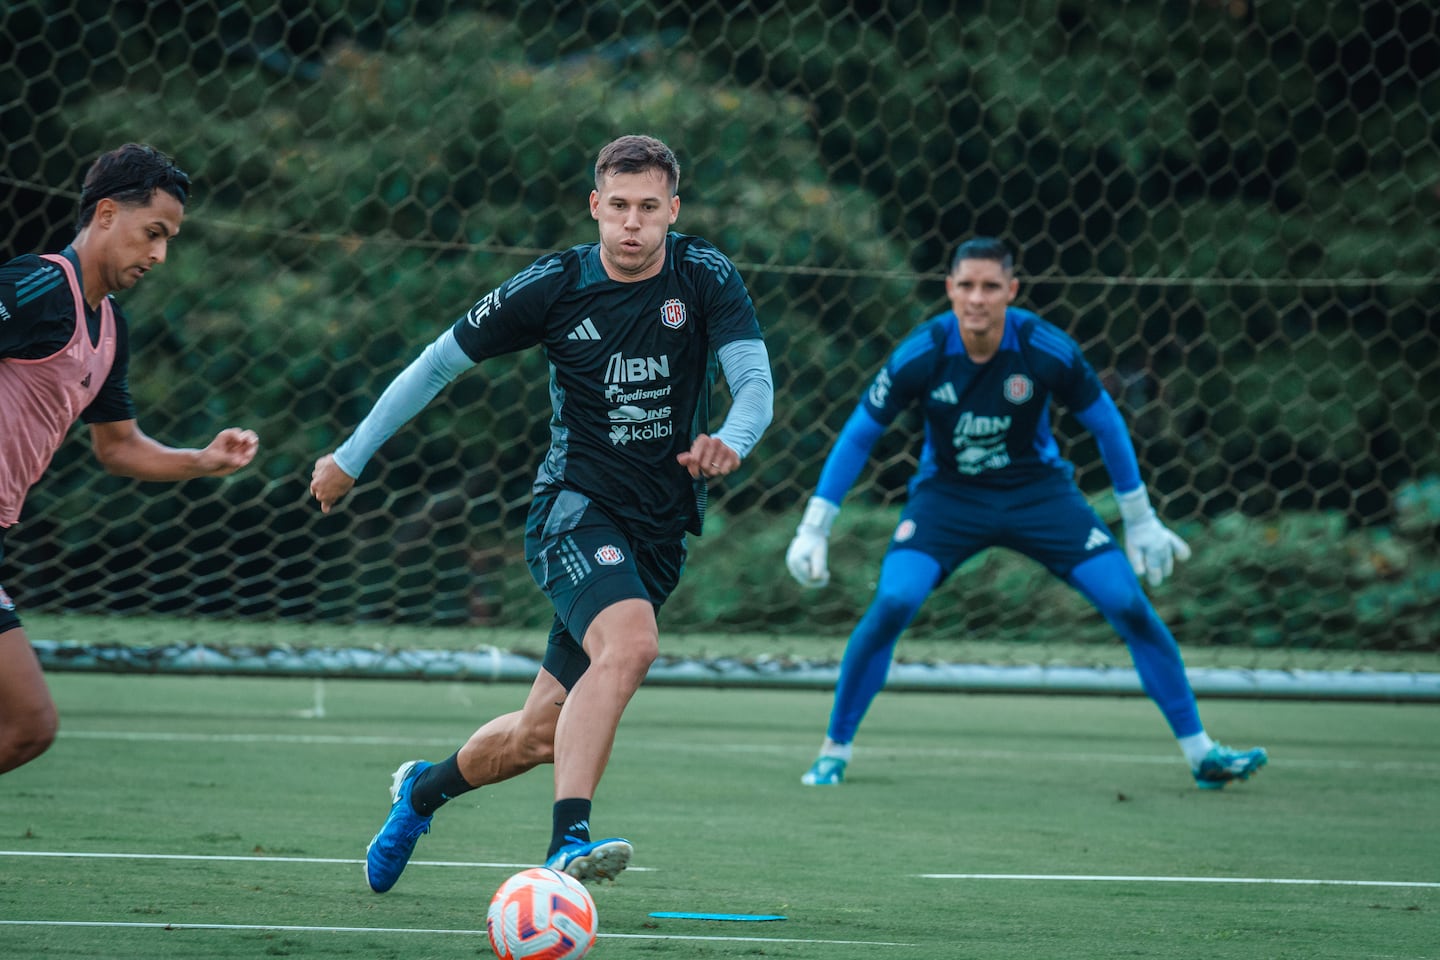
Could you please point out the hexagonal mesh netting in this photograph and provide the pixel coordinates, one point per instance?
(1233, 207)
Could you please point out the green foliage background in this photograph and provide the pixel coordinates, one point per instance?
(1232, 207)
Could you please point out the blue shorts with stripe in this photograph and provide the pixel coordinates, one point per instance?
(1049, 521)
(584, 562)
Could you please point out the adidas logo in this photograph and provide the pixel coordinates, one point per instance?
(586, 331)
(945, 393)
(1097, 538)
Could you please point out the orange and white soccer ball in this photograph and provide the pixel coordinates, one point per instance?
(541, 914)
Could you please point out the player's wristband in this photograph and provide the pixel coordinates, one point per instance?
(1134, 505)
(820, 514)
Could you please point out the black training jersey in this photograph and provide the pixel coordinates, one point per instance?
(988, 423)
(630, 371)
(37, 319)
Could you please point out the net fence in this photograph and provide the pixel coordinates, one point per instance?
(1233, 207)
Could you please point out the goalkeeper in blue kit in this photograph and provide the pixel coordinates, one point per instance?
(991, 474)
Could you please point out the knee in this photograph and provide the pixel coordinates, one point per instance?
(632, 657)
(1135, 617)
(28, 736)
(895, 606)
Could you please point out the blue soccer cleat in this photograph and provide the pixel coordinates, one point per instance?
(388, 853)
(1221, 765)
(824, 772)
(596, 860)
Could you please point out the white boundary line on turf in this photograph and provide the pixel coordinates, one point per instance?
(464, 933)
(200, 856)
(976, 753)
(1124, 879)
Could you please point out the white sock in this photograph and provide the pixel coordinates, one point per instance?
(840, 751)
(1195, 747)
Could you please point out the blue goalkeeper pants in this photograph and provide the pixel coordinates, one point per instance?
(907, 577)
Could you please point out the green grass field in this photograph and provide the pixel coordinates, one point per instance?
(219, 818)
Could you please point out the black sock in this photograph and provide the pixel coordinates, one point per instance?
(572, 824)
(437, 784)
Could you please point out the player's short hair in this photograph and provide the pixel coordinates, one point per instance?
(636, 153)
(131, 174)
(984, 248)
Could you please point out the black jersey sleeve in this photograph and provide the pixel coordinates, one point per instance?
(37, 314)
(114, 402)
(720, 291)
(512, 316)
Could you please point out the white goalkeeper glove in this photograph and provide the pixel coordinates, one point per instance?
(807, 554)
(1151, 547)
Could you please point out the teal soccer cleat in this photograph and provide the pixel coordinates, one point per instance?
(824, 772)
(388, 853)
(596, 860)
(1221, 765)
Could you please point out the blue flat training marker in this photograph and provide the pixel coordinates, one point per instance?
(672, 915)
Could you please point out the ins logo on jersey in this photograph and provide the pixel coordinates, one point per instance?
(633, 414)
(672, 314)
(1018, 388)
(485, 306)
(880, 389)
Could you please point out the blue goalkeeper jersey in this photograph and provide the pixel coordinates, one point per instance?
(986, 424)
(630, 371)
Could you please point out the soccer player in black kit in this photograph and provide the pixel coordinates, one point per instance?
(628, 325)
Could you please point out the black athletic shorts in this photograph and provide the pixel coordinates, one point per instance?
(584, 563)
(9, 619)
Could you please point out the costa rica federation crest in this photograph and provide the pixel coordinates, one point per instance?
(609, 555)
(672, 314)
(1018, 388)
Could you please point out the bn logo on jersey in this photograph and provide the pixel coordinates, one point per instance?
(672, 314)
(1018, 388)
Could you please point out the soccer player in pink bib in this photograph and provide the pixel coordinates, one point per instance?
(64, 354)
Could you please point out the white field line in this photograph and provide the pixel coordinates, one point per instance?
(1062, 877)
(1282, 881)
(411, 930)
(878, 752)
(262, 859)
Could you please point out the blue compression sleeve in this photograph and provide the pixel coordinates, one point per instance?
(847, 458)
(416, 385)
(906, 579)
(1107, 582)
(1102, 418)
(752, 394)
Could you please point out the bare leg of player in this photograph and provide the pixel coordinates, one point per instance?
(622, 642)
(28, 720)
